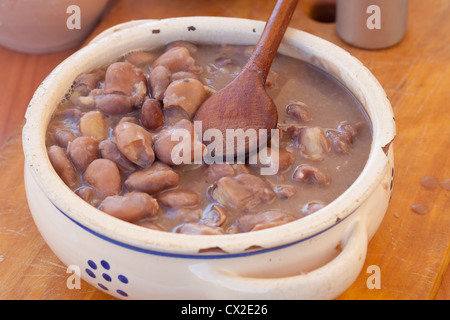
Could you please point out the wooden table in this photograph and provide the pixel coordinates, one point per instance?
(411, 250)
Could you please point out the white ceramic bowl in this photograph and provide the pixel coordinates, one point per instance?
(299, 260)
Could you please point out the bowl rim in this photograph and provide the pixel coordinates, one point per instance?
(315, 50)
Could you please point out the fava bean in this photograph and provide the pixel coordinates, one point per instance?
(89, 81)
(149, 225)
(244, 191)
(108, 150)
(152, 180)
(114, 103)
(89, 195)
(171, 143)
(214, 216)
(313, 144)
(175, 199)
(180, 75)
(135, 143)
(216, 171)
(130, 207)
(186, 94)
(60, 135)
(176, 59)
(92, 124)
(139, 58)
(263, 220)
(192, 48)
(82, 151)
(159, 80)
(308, 173)
(299, 111)
(122, 78)
(104, 177)
(152, 116)
(200, 229)
(63, 167)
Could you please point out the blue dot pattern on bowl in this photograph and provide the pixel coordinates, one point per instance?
(101, 273)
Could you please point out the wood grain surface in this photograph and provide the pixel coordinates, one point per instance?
(411, 250)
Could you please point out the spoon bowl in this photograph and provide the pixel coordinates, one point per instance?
(244, 103)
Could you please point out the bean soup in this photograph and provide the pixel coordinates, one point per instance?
(111, 141)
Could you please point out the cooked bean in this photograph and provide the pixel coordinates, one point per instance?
(312, 207)
(183, 75)
(282, 161)
(63, 166)
(114, 103)
(152, 180)
(240, 168)
(341, 140)
(86, 82)
(244, 191)
(60, 135)
(308, 173)
(82, 151)
(181, 43)
(299, 111)
(86, 101)
(130, 119)
(70, 113)
(176, 59)
(292, 131)
(285, 191)
(108, 150)
(175, 199)
(186, 94)
(218, 170)
(312, 143)
(171, 151)
(135, 143)
(152, 116)
(199, 229)
(159, 80)
(352, 128)
(214, 216)
(185, 215)
(130, 207)
(123, 78)
(263, 220)
(89, 195)
(139, 95)
(104, 177)
(149, 225)
(93, 124)
(139, 58)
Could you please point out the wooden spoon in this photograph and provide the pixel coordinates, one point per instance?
(244, 103)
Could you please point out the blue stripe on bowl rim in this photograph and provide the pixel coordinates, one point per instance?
(198, 256)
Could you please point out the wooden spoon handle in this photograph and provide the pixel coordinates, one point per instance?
(267, 46)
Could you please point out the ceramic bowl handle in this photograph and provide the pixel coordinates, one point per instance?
(326, 282)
